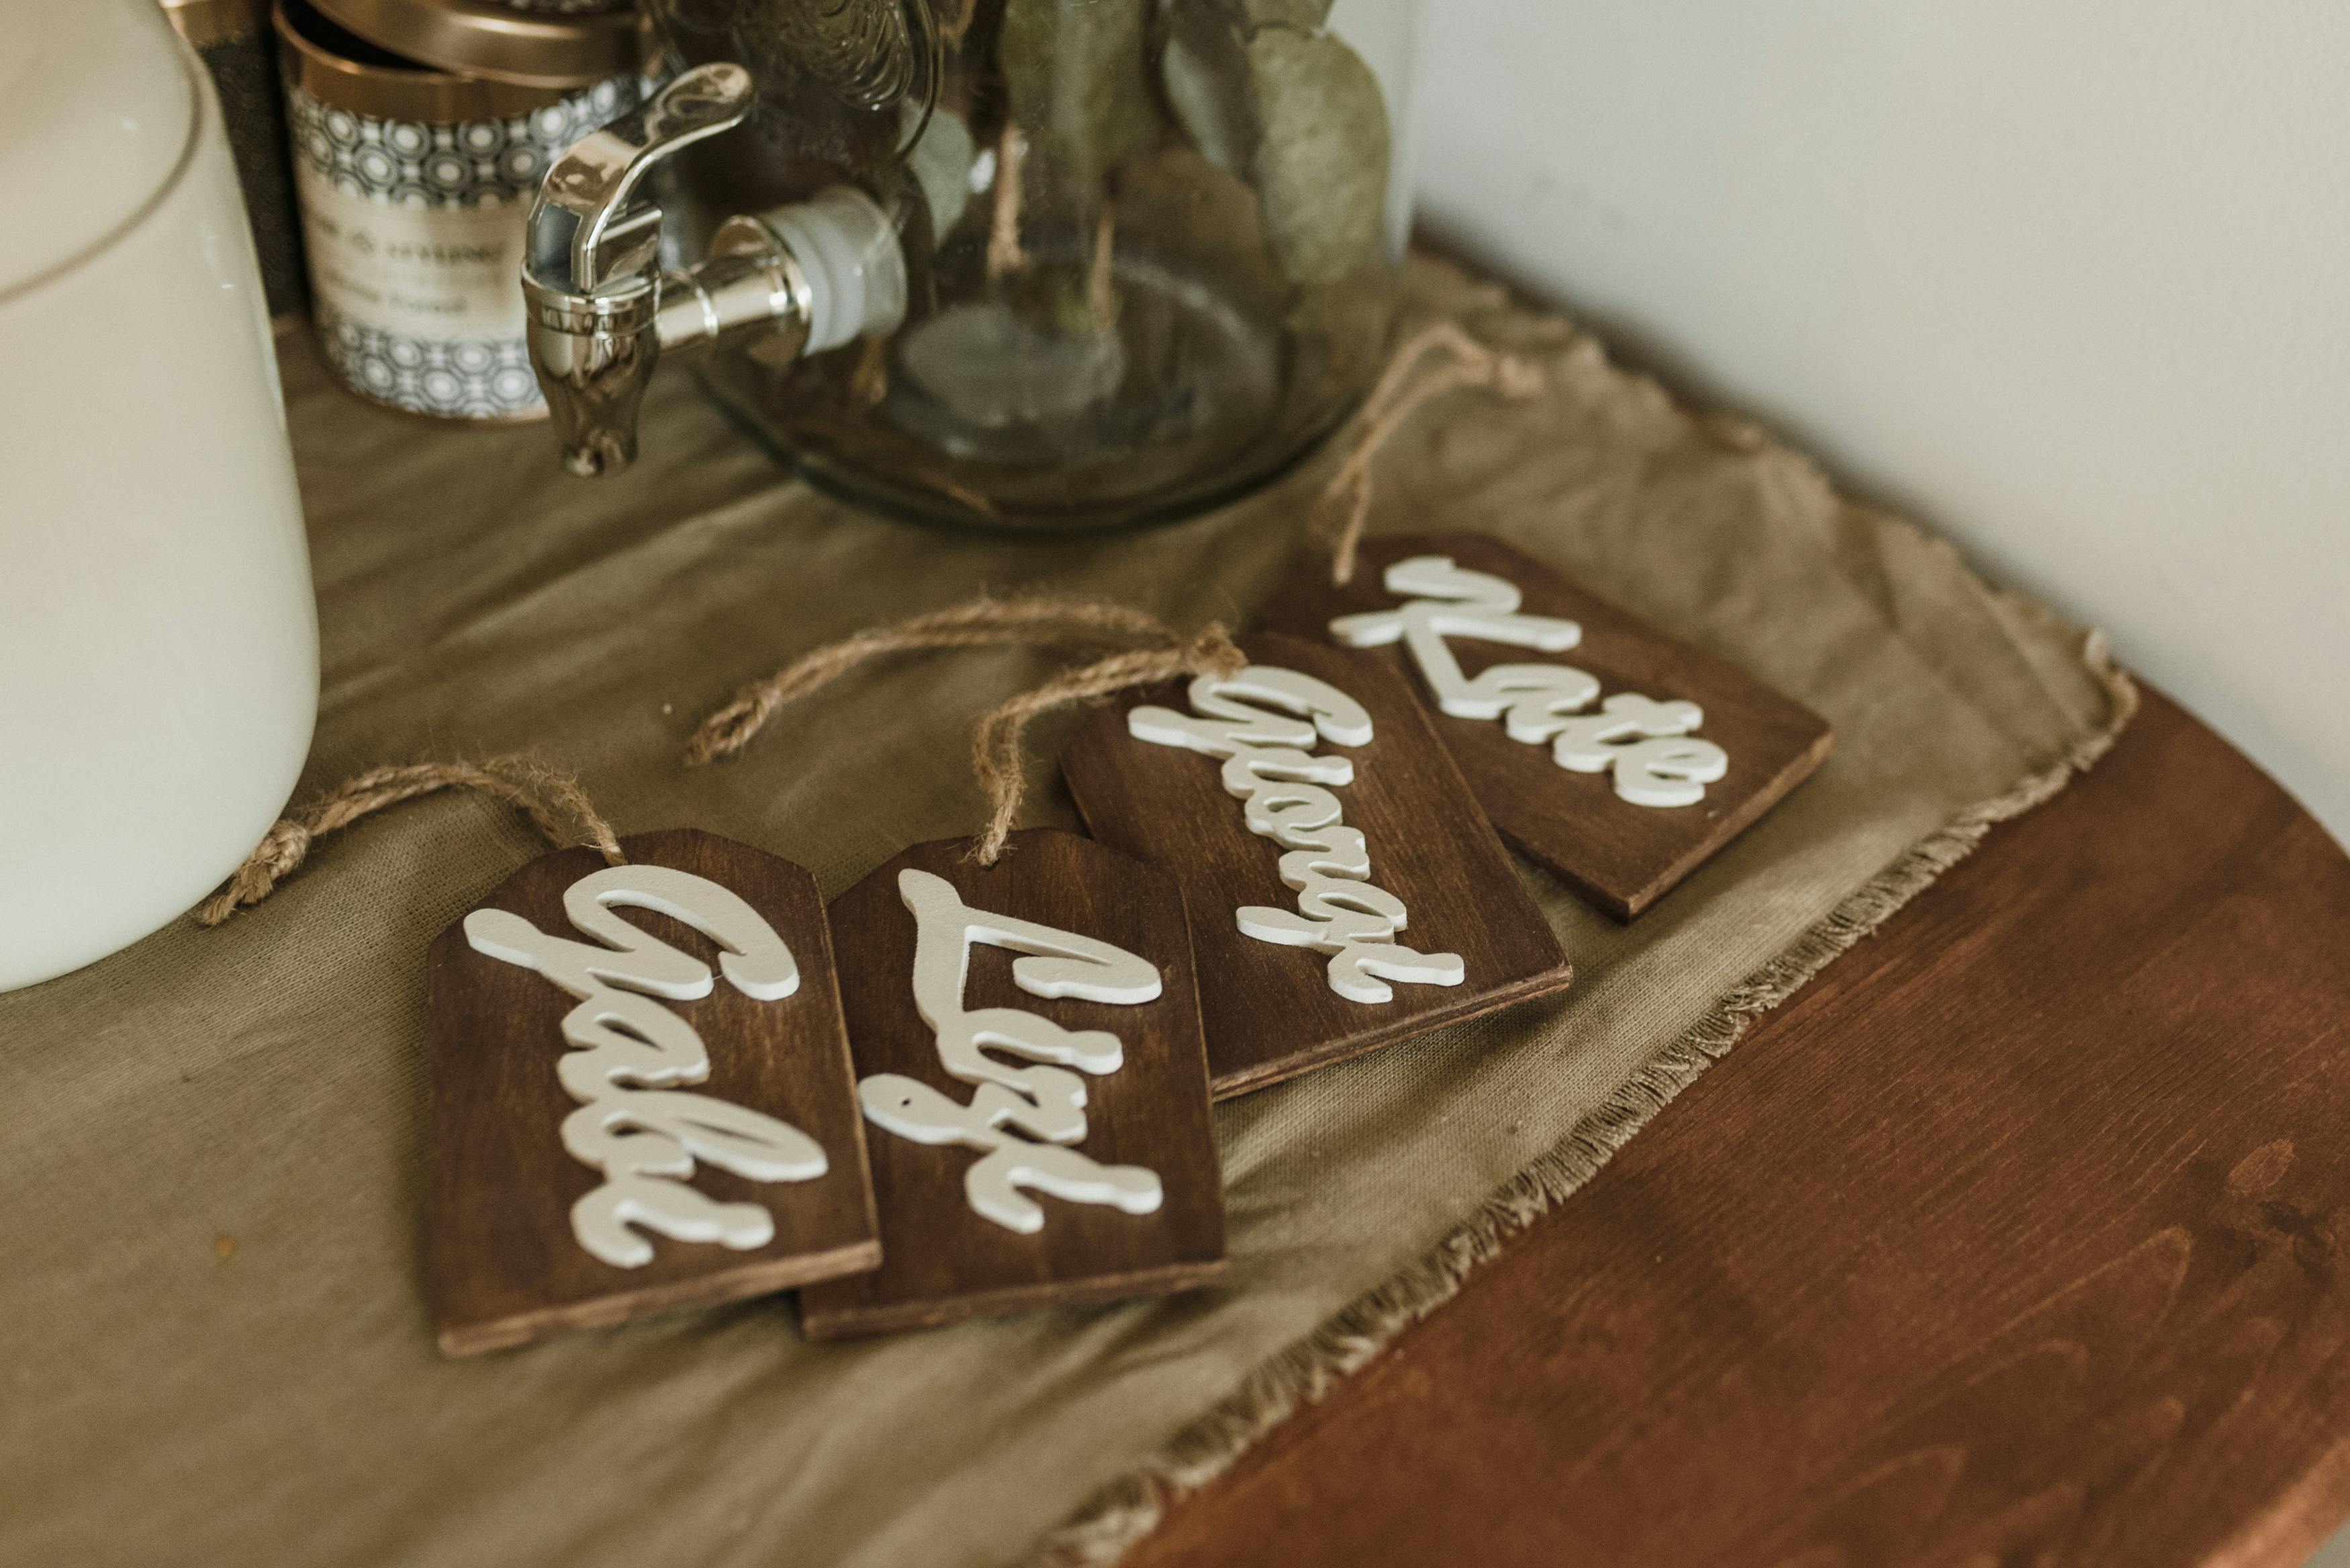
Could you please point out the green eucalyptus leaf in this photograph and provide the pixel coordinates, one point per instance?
(1078, 78)
(1205, 69)
(941, 164)
(1322, 167)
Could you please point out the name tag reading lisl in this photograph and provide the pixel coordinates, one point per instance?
(1031, 1073)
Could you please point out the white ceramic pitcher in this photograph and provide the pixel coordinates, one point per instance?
(159, 656)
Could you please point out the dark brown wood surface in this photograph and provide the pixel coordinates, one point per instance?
(2020, 1238)
(941, 1261)
(1270, 1013)
(1621, 856)
(507, 1268)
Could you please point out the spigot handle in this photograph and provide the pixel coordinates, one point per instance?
(600, 314)
(586, 228)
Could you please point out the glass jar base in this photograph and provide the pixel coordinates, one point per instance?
(1151, 400)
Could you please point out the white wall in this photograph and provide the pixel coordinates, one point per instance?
(2069, 280)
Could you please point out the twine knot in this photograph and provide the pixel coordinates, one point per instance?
(1212, 651)
(731, 729)
(280, 854)
(1519, 380)
(552, 800)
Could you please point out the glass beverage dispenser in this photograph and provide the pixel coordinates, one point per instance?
(1040, 264)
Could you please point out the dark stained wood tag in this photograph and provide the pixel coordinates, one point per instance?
(1345, 891)
(1617, 756)
(1028, 1053)
(641, 1094)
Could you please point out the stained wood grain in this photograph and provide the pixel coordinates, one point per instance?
(2020, 1237)
(507, 1268)
(1621, 856)
(941, 1260)
(1270, 1013)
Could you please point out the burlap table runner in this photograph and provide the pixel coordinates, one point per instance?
(213, 1147)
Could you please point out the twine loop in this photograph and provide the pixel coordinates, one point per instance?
(1344, 508)
(551, 799)
(980, 623)
(995, 742)
(995, 751)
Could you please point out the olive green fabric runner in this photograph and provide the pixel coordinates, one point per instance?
(214, 1147)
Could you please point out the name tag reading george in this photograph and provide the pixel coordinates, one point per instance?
(1263, 722)
(1027, 1041)
(659, 1116)
(1369, 854)
(1531, 682)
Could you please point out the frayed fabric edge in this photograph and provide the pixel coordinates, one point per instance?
(1120, 1514)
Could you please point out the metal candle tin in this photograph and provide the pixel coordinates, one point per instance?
(413, 182)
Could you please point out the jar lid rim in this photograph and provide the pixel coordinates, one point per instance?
(334, 65)
(497, 42)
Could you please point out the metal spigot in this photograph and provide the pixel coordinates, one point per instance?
(601, 313)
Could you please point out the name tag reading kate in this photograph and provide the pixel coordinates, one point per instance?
(1346, 891)
(641, 1094)
(1620, 757)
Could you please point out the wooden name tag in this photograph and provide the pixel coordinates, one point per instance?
(1617, 756)
(1345, 891)
(641, 1094)
(1028, 1053)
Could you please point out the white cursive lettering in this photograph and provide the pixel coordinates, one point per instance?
(631, 1054)
(1537, 703)
(1269, 766)
(1657, 762)
(1022, 1119)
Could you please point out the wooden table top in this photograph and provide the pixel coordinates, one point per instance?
(2017, 1238)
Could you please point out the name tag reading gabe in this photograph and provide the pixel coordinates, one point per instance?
(641, 1094)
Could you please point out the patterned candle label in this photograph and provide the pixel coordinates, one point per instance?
(415, 235)
(427, 272)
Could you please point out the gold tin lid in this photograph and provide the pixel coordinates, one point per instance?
(345, 71)
(205, 23)
(500, 43)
